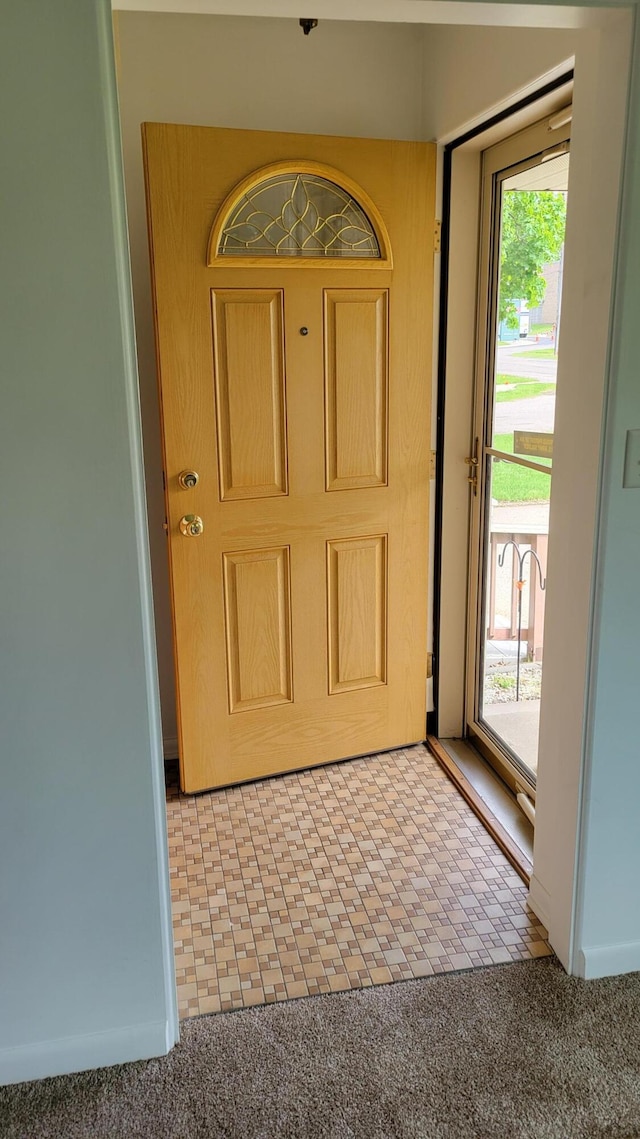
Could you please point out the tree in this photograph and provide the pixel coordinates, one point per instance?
(533, 225)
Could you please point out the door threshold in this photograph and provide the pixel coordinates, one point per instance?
(490, 799)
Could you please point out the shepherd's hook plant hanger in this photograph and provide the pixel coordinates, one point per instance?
(520, 584)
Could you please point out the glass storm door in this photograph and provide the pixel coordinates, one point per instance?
(525, 182)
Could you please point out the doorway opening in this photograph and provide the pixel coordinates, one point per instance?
(295, 389)
(190, 859)
(506, 189)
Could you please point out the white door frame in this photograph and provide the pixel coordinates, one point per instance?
(516, 150)
(598, 137)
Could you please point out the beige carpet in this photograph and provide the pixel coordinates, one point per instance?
(511, 1052)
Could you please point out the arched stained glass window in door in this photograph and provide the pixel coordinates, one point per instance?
(298, 215)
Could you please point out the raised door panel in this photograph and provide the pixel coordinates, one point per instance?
(356, 387)
(250, 392)
(357, 608)
(258, 628)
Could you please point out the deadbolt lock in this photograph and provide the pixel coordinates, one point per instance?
(188, 479)
(191, 526)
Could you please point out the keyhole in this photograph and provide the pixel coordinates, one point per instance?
(188, 479)
(304, 331)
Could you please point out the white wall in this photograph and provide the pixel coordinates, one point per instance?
(86, 961)
(598, 129)
(608, 926)
(261, 74)
(470, 72)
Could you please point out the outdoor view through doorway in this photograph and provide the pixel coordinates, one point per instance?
(526, 332)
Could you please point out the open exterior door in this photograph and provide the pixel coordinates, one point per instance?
(292, 281)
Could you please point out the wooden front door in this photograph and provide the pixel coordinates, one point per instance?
(292, 281)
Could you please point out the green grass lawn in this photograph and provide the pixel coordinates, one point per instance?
(524, 391)
(540, 329)
(538, 354)
(517, 484)
(504, 379)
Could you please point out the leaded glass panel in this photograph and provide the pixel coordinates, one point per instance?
(298, 215)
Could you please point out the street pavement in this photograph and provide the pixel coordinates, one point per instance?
(536, 413)
(509, 360)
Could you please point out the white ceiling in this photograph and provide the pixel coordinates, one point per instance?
(390, 11)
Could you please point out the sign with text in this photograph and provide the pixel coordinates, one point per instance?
(538, 444)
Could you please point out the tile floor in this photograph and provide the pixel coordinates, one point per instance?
(345, 876)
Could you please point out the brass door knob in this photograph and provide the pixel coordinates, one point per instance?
(191, 526)
(188, 479)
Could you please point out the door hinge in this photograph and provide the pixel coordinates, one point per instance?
(432, 465)
(165, 524)
(429, 665)
(473, 462)
(437, 236)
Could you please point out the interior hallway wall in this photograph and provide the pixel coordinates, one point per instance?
(86, 959)
(472, 71)
(608, 926)
(363, 79)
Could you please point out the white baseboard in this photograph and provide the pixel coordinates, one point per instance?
(608, 960)
(79, 1053)
(170, 747)
(540, 901)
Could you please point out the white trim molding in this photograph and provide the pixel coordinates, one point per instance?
(476, 13)
(90, 1050)
(123, 269)
(608, 960)
(540, 902)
